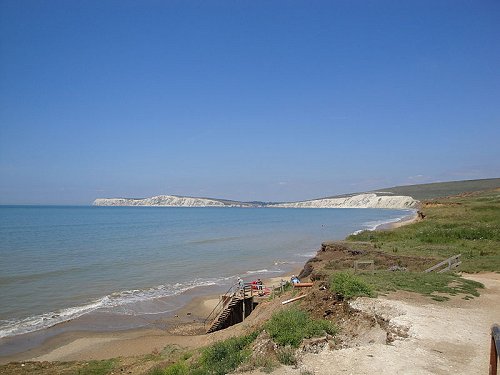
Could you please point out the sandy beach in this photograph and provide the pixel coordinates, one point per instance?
(184, 328)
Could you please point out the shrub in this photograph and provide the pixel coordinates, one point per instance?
(291, 326)
(349, 285)
(286, 356)
(179, 368)
(225, 356)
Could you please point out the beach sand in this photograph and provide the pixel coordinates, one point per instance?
(410, 219)
(184, 328)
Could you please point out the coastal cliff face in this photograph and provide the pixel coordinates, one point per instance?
(167, 201)
(356, 201)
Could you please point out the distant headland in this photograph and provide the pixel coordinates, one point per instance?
(399, 197)
(371, 200)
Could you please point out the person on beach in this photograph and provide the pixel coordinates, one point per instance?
(260, 287)
(241, 286)
(295, 279)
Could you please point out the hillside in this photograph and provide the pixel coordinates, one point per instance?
(442, 189)
(398, 197)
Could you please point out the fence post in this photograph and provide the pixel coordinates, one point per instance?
(243, 310)
(494, 348)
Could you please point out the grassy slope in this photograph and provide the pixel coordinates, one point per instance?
(468, 224)
(434, 190)
(443, 189)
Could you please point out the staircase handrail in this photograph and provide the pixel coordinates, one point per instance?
(453, 261)
(221, 301)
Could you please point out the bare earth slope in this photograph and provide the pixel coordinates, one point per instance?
(443, 338)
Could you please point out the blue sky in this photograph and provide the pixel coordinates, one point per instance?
(246, 100)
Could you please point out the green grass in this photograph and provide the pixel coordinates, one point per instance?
(443, 189)
(98, 367)
(225, 356)
(349, 285)
(287, 328)
(179, 368)
(461, 225)
(291, 326)
(429, 284)
(220, 358)
(158, 370)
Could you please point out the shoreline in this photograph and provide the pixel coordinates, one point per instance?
(406, 220)
(182, 326)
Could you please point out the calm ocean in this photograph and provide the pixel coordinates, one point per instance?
(59, 263)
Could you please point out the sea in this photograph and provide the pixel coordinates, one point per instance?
(62, 263)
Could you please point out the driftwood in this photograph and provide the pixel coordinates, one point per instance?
(293, 299)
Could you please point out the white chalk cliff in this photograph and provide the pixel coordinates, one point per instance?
(368, 200)
(167, 201)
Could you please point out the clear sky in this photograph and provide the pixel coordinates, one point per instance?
(246, 100)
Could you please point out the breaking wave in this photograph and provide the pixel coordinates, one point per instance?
(13, 327)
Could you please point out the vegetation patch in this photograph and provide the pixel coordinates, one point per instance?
(286, 356)
(97, 367)
(349, 285)
(225, 356)
(467, 225)
(218, 359)
(266, 364)
(291, 326)
(179, 368)
(430, 284)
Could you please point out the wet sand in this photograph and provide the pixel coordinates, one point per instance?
(184, 327)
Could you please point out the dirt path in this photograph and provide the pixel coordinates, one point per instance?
(443, 338)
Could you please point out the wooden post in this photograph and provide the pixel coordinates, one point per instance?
(495, 343)
(243, 309)
(357, 268)
(493, 358)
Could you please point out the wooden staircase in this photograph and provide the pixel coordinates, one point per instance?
(221, 320)
(233, 308)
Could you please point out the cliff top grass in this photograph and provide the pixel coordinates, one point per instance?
(438, 286)
(443, 189)
(468, 224)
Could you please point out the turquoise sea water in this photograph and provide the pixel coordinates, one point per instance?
(60, 263)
